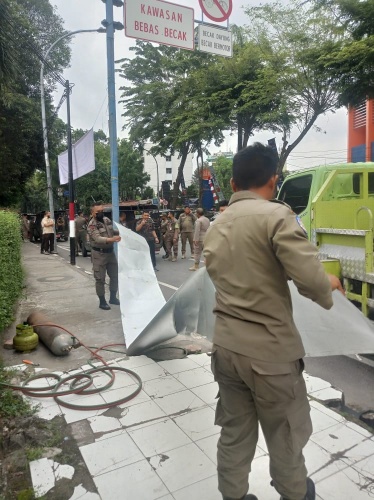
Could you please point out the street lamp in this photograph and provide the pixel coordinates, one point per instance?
(157, 173)
(44, 120)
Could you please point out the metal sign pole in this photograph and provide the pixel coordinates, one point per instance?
(71, 180)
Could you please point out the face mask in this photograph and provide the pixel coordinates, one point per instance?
(100, 216)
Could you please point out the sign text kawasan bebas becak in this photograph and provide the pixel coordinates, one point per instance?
(160, 22)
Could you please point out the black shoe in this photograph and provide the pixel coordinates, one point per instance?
(113, 300)
(155, 268)
(103, 304)
(166, 256)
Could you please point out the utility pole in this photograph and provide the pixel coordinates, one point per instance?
(71, 180)
(111, 26)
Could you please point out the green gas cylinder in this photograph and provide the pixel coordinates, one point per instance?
(25, 339)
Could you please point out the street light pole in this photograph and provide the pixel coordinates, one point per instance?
(44, 119)
(157, 173)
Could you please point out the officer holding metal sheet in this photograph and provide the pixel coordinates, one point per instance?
(102, 237)
(251, 251)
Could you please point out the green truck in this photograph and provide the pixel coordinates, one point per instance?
(336, 205)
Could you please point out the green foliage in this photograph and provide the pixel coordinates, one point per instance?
(351, 59)
(223, 169)
(10, 265)
(27, 29)
(11, 404)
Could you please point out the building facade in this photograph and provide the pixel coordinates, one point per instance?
(165, 168)
(361, 132)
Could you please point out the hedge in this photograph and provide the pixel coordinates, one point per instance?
(11, 274)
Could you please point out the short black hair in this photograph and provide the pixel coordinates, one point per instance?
(223, 203)
(253, 166)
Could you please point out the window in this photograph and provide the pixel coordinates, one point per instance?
(168, 158)
(168, 170)
(295, 192)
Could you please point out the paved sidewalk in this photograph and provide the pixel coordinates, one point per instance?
(162, 443)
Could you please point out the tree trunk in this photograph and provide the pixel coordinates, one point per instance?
(184, 154)
(240, 135)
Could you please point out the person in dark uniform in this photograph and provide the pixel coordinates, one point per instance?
(145, 227)
(253, 248)
(102, 237)
(80, 224)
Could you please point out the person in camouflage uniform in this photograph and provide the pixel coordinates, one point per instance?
(171, 236)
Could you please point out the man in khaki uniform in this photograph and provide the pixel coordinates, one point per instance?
(186, 228)
(48, 235)
(80, 224)
(102, 238)
(171, 235)
(201, 227)
(251, 251)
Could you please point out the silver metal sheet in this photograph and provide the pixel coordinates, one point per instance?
(342, 330)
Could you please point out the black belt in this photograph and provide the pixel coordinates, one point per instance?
(103, 250)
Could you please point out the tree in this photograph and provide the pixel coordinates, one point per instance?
(27, 27)
(351, 59)
(223, 169)
(290, 38)
(165, 102)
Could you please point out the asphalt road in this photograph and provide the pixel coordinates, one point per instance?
(352, 375)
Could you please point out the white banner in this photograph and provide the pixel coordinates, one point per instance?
(83, 152)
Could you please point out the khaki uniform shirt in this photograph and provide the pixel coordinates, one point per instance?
(201, 227)
(171, 227)
(79, 223)
(186, 223)
(48, 225)
(147, 230)
(99, 232)
(252, 250)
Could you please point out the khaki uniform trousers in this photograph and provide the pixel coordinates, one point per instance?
(184, 238)
(198, 250)
(103, 263)
(274, 394)
(170, 244)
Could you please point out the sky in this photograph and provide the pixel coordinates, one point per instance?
(88, 73)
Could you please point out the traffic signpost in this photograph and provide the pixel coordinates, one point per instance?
(214, 40)
(161, 22)
(216, 10)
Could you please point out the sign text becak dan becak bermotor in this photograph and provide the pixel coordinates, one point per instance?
(160, 22)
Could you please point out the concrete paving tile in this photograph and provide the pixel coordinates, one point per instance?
(42, 476)
(135, 361)
(259, 480)
(162, 387)
(347, 484)
(320, 420)
(151, 372)
(184, 466)
(198, 424)
(104, 424)
(122, 392)
(207, 392)
(344, 443)
(315, 384)
(360, 430)
(173, 366)
(110, 454)
(194, 378)
(76, 415)
(81, 493)
(201, 359)
(365, 466)
(326, 410)
(207, 489)
(137, 481)
(49, 412)
(320, 463)
(122, 379)
(183, 401)
(327, 394)
(209, 446)
(140, 414)
(158, 438)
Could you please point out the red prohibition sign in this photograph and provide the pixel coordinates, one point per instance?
(216, 10)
